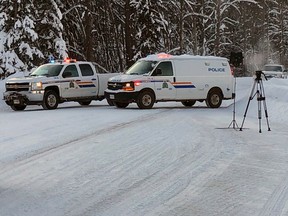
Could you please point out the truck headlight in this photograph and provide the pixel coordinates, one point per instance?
(36, 86)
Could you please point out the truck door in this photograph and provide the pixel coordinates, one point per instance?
(163, 77)
(69, 86)
(89, 80)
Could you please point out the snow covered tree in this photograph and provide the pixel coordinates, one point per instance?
(18, 36)
(219, 24)
(50, 28)
(150, 25)
(277, 34)
(30, 32)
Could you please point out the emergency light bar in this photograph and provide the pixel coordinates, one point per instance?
(164, 55)
(66, 60)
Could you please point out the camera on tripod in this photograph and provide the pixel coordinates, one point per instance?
(258, 92)
(259, 75)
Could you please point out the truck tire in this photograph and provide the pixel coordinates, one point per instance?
(145, 100)
(121, 105)
(188, 103)
(84, 103)
(50, 100)
(17, 107)
(214, 98)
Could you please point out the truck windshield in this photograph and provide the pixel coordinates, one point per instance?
(273, 68)
(47, 70)
(141, 67)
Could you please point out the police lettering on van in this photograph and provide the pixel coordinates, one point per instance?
(164, 77)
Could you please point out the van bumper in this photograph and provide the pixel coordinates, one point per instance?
(123, 97)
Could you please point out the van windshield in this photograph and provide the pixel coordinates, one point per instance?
(273, 68)
(141, 67)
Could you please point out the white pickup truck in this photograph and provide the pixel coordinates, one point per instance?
(57, 82)
(275, 71)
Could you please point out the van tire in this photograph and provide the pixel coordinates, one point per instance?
(214, 98)
(50, 100)
(188, 103)
(145, 100)
(121, 105)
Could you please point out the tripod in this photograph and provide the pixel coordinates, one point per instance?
(260, 98)
(233, 122)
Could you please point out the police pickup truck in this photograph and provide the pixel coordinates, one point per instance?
(57, 82)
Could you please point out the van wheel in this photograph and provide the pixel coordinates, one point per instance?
(18, 107)
(84, 103)
(188, 103)
(121, 105)
(145, 100)
(50, 100)
(214, 98)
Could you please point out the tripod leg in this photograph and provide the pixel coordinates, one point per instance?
(259, 96)
(250, 98)
(265, 106)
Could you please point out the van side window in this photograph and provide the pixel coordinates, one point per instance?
(86, 70)
(72, 69)
(165, 68)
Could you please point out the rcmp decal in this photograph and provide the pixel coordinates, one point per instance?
(183, 85)
(177, 85)
(74, 84)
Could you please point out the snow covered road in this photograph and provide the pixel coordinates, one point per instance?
(170, 160)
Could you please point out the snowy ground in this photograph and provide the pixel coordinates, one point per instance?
(170, 160)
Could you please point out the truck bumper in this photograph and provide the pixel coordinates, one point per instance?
(123, 97)
(21, 98)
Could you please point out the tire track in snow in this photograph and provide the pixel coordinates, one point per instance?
(33, 155)
(155, 187)
(277, 201)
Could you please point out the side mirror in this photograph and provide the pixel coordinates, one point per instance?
(66, 74)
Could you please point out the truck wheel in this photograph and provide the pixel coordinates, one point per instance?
(145, 100)
(121, 105)
(18, 107)
(188, 103)
(50, 100)
(214, 98)
(84, 103)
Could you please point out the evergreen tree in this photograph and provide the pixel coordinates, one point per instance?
(19, 49)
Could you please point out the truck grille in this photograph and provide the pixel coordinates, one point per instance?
(17, 87)
(115, 86)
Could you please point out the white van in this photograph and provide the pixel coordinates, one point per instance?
(164, 77)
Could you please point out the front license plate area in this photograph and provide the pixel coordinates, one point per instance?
(112, 96)
(16, 101)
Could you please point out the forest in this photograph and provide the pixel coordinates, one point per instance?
(115, 33)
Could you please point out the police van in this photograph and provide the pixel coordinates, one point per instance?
(165, 77)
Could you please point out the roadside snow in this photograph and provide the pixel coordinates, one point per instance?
(170, 160)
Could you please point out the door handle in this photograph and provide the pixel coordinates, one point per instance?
(94, 79)
(174, 79)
